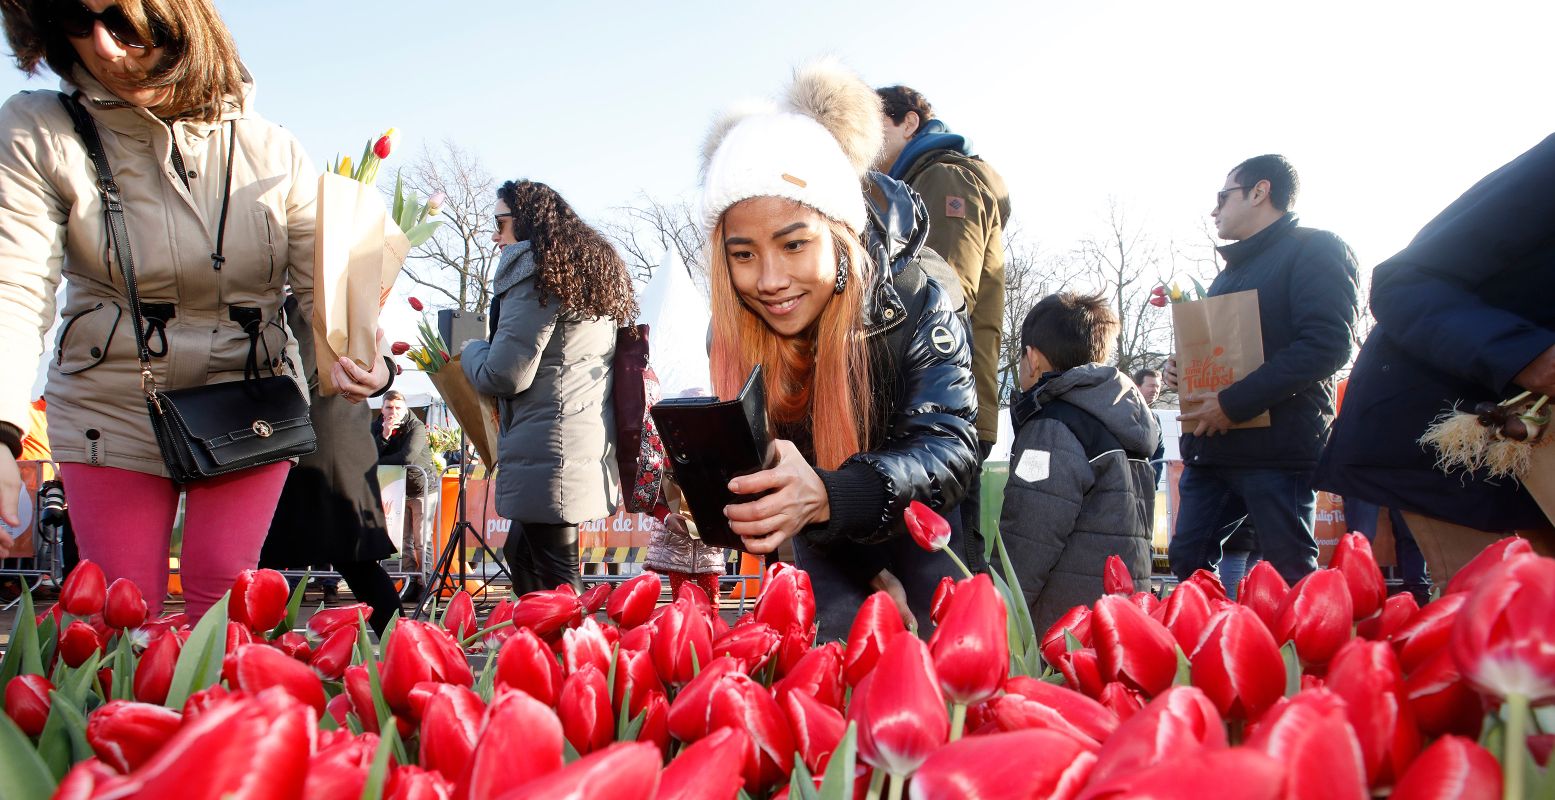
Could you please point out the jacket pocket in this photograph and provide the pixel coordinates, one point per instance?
(84, 340)
(265, 230)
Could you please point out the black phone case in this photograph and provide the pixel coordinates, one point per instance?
(711, 442)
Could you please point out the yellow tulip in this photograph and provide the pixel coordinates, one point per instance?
(345, 167)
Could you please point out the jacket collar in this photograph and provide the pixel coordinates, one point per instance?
(898, 226)
(933, 135)
(1238, 252)
(123, 117)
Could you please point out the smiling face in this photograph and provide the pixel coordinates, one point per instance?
(782, 261)
(114, 64)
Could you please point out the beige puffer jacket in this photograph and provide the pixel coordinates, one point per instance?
(52, 225)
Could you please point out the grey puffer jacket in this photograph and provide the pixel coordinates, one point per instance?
(1080, 487)
(550, 373)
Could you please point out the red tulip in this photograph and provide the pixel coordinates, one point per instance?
(459, 617)
(125, 734)
(450, 727)
(1210, 583)
(414, 783)
(1033, 704)
(942, 595)
(630, 605)
(1186, 614)
(416, 652)
(1317, 615)
(875, 625)
(707, 770)
(211, 697)
(1441, 701)
(256, 667)
(1234, 774)
(125, 607)
(1238, 664)
(971, 649)
(1472, 573)
(359, 689)
(85, 590)
(1159, 291)
(737, 701)
(547, 612)
(586, 646)
(1264, 591)
(1157, 300)
(1173, 725)
(399, 348)
(1077, 622)
(626, 769)
(584, 709)
(78, 643)
(688, 715)
(259, 599)
(521, 740)
(1396, 613)
(327, 621)
(1082, 671)
(1365, 675)
(1501, 640)
(787, 603)
(244, 747)
(1132, 648)
(656, 723)
(901, 715)
(524, 662)
(1453, 767)
(1311, 734)
(1146, 602)
(339, 709)
(1427, 632)
(1354, 560)
(1002, 765)
(500, 613)
(334, 655)
(635, 674)
(817, 728)
(1121, 700)
(416, 304)
(27, 702)
(928, 528)
(594, 599)
(818, 674)
(682, 640)
(89, 779)
(295, 645)
(1115, 578)
(751, 644)
(340, 770)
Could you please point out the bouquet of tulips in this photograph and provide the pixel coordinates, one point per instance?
(477, 413)
(409, 213)
(1328, 688)
(431, 354)
(1164, 293)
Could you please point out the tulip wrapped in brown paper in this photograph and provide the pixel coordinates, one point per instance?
(1219, 342)
(357, 254)
(476, 413)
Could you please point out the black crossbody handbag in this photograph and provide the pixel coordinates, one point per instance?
(211, 430)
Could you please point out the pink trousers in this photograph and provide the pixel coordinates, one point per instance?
(123, 521)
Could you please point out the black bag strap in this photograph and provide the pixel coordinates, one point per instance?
(118, 230)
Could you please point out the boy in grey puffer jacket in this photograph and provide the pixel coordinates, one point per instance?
(1080, 486)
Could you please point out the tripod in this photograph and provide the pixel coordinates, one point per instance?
(442, 576)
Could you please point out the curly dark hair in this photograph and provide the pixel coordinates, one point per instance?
(576, 264)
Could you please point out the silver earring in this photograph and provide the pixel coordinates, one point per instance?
(842, 272)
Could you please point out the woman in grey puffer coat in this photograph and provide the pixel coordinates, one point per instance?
(559, 294)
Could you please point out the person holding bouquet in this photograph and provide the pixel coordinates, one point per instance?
(867, 368)
(162, 83)
(559, 292)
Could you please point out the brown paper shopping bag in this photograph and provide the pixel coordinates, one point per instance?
(1219, 342)
(476, 413)
(1540, 478)
(357, 254)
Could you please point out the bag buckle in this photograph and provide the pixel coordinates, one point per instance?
(261, 429)
(148, 384)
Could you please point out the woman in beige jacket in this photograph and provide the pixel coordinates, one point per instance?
(162, 81)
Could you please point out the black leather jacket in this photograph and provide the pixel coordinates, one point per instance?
(924, 440)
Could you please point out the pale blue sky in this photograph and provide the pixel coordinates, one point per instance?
(1389, 110)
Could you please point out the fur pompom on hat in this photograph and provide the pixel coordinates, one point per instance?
(814, 148)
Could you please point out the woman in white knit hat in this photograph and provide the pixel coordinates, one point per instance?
(867, 367)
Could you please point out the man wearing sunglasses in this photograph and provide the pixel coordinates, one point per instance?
(1307, 285)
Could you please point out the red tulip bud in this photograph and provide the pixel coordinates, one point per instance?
(525, 663)
(1186, 613)
(817, 728)
(85, 590)
(1238, 664)
(942, 593)
(682, 640)
(248, 746)
(27, 702)
(125, 735)
(450, 727)
(1115, 578)
(1501, 639)
(1076, 622)
(1441, 701)
(752, 644)
(547, 612)
(1121, 700)
(1033, 704)
(334, 655)
(1354, 560)
(259, 599)
(125, 607)
(709, 768)
(327, 621)
(818, 674)
(381, 147)
(586, 646)
(1312, 736)
(416, 304)
(625, 769)
(1264, 591)
(1428, 631)
(584, 708)
(1179, 722)
(359, 689)
(971, 649)
(256, 667)
(1365, 675)
(994, 765)
(414, 783)
(295, 645)
(930, 530)
(595, 598)
(630, 605)
(1133, 648)
(521, 740)
(1472, 573)
(656, 723)
(1158, 301)
(154, 673)
(875, 625)
(459, 616)
(1317, 616)
(1396, 613)
(1159, 291)
(1452, 767)
(78, 643)
(901, 714)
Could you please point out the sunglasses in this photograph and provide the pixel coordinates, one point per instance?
(1220, 196)
(500, 217)
(78, 21)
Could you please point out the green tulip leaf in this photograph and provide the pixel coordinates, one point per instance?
(23, 773)
(293, 606)
(1292, 669)
(199, 665)
(838, 783)
(23, 656)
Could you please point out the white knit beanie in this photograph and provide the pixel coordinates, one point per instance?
(814, 150)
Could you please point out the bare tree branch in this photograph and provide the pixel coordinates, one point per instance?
(644, 231)
(457, 262)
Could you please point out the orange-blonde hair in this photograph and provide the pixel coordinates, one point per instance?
(821, 376)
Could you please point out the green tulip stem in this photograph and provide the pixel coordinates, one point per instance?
(480, 634)
(898, 783)
(876, 782)
(957, 720)
(1514, 759)
(959, 563)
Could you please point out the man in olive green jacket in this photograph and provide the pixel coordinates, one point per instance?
(968, 209)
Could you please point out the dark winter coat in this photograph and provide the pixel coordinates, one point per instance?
(1464, 308)
(407, 445)
(1306, 282)
(1080, 488)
